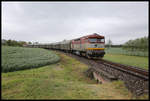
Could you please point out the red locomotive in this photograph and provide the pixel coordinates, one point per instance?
(90, 45)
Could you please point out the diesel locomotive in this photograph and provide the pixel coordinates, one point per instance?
(91, 46)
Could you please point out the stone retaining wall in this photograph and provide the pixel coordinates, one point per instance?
(134, 83)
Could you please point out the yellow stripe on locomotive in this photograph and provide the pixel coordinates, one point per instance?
(95, 48)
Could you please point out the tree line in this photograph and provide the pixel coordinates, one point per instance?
(14, 43)
(109, 44)
(140, 44)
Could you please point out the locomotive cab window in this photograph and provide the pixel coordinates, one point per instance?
(96, 40)
(93, 40)
(100, 40)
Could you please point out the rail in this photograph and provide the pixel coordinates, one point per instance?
(136, 70)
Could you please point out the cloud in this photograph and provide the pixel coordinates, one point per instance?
(56, 21)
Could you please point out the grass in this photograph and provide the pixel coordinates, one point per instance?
(63, 80)
(137, 61)
(19, 58)
(122, 51)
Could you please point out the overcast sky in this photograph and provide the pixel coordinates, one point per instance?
(48, 22)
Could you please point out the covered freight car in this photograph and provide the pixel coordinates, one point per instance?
(65, 45)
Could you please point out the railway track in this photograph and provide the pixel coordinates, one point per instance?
(134, 78)
(126, 68)
(130, 69)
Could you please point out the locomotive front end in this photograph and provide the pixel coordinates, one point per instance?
(96, 46)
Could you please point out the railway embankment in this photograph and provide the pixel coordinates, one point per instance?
(135, 79)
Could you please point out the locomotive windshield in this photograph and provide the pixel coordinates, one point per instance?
(100, 40)
(93, 40)
(96, 40)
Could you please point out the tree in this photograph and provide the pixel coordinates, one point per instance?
(109, 43)
(9, 42)
(29, 42)
(13, 43)
(139, 44)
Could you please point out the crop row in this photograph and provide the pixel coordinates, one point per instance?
(19, 58)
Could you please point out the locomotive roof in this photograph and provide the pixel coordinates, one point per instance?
(62, 42)
(94, 35)
(68, 41)
(65, 41)
(91, 36)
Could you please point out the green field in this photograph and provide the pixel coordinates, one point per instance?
(63, 80)
(19, 58)
(125, 52)
(137, 61)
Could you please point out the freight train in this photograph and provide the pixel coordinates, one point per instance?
(91, 46)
